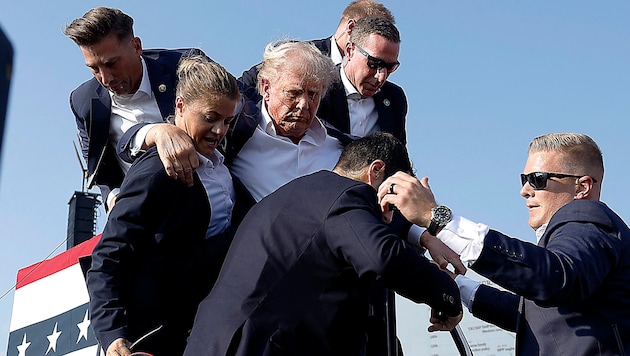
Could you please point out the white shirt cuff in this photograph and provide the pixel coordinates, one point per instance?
(464, 237)
(111, 198)
(467, 289)
(413, 236)
(138, 139)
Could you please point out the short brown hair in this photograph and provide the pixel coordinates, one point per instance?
(99, 23)
(363, 8)
(366, 26)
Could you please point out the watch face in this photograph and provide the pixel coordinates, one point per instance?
(441, 215)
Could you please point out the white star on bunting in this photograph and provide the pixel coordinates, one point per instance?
(52, 340)
(22, 348)
(83, 327)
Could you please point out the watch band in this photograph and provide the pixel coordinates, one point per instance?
(432, 229)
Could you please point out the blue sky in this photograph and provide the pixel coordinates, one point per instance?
(482, 79)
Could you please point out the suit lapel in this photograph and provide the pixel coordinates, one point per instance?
(100, 114)
(160, 86)
(383, 108)
(339, 107)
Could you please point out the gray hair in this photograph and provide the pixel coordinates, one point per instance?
(303, 57)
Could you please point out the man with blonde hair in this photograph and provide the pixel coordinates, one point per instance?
(570, 293)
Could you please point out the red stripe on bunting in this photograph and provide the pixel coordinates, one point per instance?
(62, 261)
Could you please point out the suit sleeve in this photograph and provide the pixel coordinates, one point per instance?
(84, 107)
(83, 134)
(143, 202)
(575, 262)
(356, 234)
(126, 142)
(497, 307)
(249, 79)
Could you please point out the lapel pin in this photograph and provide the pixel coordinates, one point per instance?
(386, 102)
(162, 88)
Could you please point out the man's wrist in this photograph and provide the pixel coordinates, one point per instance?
(440, 216)
(145, 137)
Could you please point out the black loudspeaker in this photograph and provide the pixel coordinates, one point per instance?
(82, 217)
(6, 69)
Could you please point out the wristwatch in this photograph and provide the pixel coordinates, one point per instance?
(440, 216)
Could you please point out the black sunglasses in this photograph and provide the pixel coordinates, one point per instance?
(377, 63)
(538, 180)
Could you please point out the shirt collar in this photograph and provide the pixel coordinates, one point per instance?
(145, 83)
(351, 91)
(205, 162)
(335, 54)
(540, 232)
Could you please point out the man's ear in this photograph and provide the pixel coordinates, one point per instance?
(179, 105)
(584, 187)
(265, 86)
(136, 43)
(349, 26)
(376, 173)
(348, 49)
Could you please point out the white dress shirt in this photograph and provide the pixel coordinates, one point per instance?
(216, 178)
(335, 55)
(131, 109)
(268, 160)
(126, 111)
(362, 110)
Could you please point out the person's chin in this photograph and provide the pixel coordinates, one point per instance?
(534, 221)
(369, 91)
(207, 150)
(118, 92)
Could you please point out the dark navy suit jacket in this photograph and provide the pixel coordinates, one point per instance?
(91, 106)
(296, 277)
(153, 264)
(390, 102)
(574, 286)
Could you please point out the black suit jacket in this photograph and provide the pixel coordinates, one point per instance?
(153, 263)
(91, 106)
(295, 279)
(390, 102)
(574, 287)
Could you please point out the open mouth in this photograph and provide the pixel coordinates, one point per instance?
(212, 141)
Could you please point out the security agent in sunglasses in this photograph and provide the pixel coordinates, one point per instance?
(570, 293)
(361, 100)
